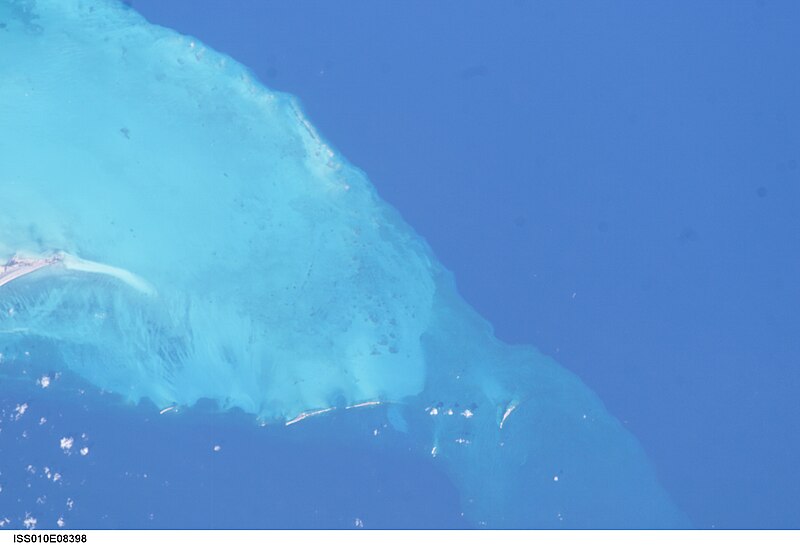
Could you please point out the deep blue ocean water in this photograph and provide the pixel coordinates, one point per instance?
(616, 185)
(202, 469)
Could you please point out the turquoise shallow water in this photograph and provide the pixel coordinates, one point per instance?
(214, 249)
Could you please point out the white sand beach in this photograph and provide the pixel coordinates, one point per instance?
(17, 267)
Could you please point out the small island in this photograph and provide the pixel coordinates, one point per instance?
(17, 267)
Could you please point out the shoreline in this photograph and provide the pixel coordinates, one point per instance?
(18, 267)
